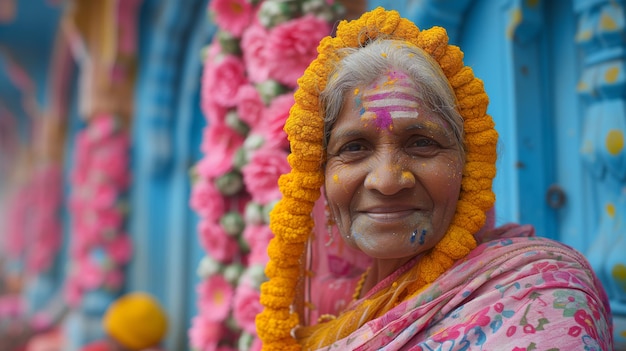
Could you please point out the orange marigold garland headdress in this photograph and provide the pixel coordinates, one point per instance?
(291, 220)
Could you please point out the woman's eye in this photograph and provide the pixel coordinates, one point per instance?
(352, 147)
(424, 142)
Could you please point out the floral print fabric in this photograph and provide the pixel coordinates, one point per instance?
(518, 294)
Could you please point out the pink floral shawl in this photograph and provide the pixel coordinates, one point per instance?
(517, 292)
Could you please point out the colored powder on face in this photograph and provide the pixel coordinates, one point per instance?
(393, 98)
(359, 103)
(390, 82)
(335, 178)
(395, 76)
(422, 236)
(364, 241)
(383, 117)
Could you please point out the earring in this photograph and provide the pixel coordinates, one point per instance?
(330, 222)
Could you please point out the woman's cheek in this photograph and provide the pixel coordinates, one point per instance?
(338, 198)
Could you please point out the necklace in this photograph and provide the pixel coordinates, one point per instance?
(359, 285)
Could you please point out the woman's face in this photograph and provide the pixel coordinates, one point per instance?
(393, 171)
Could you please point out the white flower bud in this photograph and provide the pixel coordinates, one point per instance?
(232, 223)
(254, 213)
(207, 267)
(230, 183)
(232, 272)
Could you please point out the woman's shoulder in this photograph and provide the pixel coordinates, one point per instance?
(532, 253)
(532, 263)
(533, 258)
(513, 240)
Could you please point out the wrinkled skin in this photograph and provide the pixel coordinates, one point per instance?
(393, 173)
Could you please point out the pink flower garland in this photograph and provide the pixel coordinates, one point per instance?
(32, 232)
(32, 228)
(250, 69)
(99, 247)
(44, 218)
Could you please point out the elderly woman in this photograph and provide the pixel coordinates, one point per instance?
(392, 128)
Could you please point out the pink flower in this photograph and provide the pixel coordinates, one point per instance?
(232, 15)
(261, 175)
(216, 242)
(222, 79)
(101, 127)
(206, 200)
(219, 145)
(45, 245)
(215, 296)
(48, 182)
(212, 111)
(16, 237)
(18, 75)
(105, 194)
(90, 274)
(73, 293)
(249, 105)
(205, 333)
(41, 321)
(253, 43)
(214, 50)
(114, 279)
(120, 249)
(274, 118)
(246, 306)
(38, 260)
(110, 218)
(111, 159)
(11, 306)
(87, 233)
(257, 345)
(292, 45)
(258, 238)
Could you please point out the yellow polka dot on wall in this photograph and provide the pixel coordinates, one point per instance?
(610, 210)
(614, 141)
(532, 3)
(619, 273)
(611, 74)
(607, 22)
(514, 21)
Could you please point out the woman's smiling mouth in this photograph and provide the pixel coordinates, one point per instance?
(384, 215)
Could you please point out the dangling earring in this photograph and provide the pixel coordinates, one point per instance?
(330, 222)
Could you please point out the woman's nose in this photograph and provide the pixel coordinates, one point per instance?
(389, 177)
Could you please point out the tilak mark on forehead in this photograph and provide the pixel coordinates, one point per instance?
(394, 98)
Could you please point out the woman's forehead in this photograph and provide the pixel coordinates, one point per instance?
(392, 97)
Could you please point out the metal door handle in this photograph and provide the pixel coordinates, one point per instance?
(555, 196)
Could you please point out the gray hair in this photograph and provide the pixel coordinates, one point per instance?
(363, 65)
